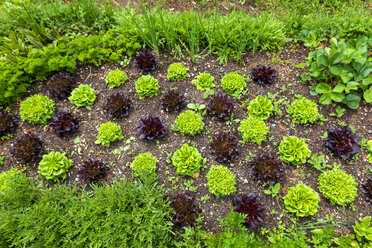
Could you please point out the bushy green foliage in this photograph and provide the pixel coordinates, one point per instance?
(37, 109)
(204, 81)
(144, 163)
(221, 181)
(363, 230)
(338, 186)
(109, 132)
(293, 150)
(188, 123)
(187, 160)
(260, 108)
(303, 111)
(54, 166)
(234, 234)
(16, 189)
(302, 200)
(177, 71)
(147, 86)
(122, 214)
(253, 130)
(115, 78)
(233, 84)
(83, 96)
(344, 72)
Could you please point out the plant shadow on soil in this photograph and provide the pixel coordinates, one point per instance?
(213, 208)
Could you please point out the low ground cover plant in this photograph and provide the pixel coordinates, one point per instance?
(146, 62)
(263, 75)
(27, 149)
(303, 111)
(83, 96)
(151, 128)
(144, 164)
(233, 84)
(172, 100)
(302, 200)
(260, 108)
(147, 86)
(220, 106)
(115, 78)
(187, 160)
(54, 166)
(253, 130)
(65, 123)
(177, 71)
(109, 132)
(338, 186)
(186, 209)
(293, 150)
(204, 81)
(250, 206)
(188, 123)
(221, 181)
(37, 109)
(267, 168)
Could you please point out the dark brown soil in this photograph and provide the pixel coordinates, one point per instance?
(279, 126)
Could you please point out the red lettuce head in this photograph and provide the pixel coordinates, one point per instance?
(225, 146)
(220, 106)
(267, 168)
(146, 62)
(342, 142)
(151, 128)
(367, 189)
(8, 124)
(249, 204)
(27, 148)
(172, 100)
(263, 75)
(117, 105)
(186, 208)
(60, 85)
(93, 171)
(64, 123)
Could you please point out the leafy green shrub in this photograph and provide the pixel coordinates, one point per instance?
(177, 71)
(37, 109)
(221, 181)
(147, 86)
(83, 96)
(345, 68)
(188, 123)
(204, 81)
(363, 230)
(233, 84)
(303, 111)
(144, 163)
(253, 130)
(302, 200)
(16, 189)
(109, 132)
(122, 214)
(187, 160)
(260, 108)
(338, 186)
(115, 78)
(54, 166)
(293, 150)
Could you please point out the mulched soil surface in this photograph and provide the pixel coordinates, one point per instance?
(213, 208)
